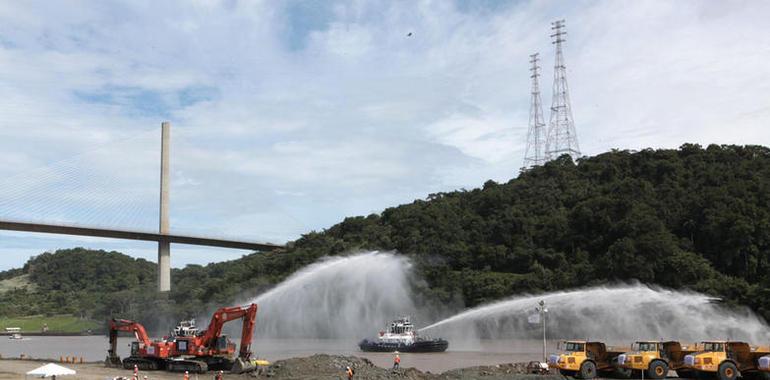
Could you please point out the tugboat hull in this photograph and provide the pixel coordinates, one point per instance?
(435, 345)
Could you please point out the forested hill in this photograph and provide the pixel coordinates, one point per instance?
(689, 218)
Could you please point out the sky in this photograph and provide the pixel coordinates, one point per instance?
(288, 116)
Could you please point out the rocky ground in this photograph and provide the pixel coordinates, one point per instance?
(313, 367)
(333, 367)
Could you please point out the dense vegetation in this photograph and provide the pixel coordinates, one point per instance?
(689, 218)
(75, 281)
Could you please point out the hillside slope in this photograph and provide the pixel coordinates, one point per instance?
(688, 218)
(696, 218)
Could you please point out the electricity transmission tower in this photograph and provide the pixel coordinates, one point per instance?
(562, 138)
(535, 152)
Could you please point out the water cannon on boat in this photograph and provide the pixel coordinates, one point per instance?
(401, 335)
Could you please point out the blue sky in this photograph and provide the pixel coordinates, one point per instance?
(289, 116)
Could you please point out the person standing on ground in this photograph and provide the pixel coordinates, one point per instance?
(349, 372)
(186, 375)
(397, 361)
(220, 375)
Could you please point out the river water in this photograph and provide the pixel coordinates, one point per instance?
(460, 354)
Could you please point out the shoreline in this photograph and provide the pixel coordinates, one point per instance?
(54, 333)
(318, 366)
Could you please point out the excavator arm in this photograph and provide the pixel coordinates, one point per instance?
(124, 325)
(247, 332)
(227, 314)
(130, 326)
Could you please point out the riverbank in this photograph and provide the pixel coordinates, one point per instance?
(57, 325)
(460, 354)
(313, 367)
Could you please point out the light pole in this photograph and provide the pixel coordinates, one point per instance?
(543, 314)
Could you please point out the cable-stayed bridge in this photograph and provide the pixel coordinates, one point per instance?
(111, 198)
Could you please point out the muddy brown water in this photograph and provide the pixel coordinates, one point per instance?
(460, 353)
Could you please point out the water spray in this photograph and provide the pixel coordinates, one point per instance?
(616, 314)
(340, 297)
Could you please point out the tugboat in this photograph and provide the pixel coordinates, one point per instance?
(186, 328)
(401, 336)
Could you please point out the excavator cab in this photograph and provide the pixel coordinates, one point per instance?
(134, 348)
(223, 343)
(182, 345)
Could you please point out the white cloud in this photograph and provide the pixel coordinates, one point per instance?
(487, 138)
(348, 40)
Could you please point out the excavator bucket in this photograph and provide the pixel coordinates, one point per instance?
(241, 366)
(113, 361)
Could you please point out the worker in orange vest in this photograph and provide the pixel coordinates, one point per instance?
(136, 372)
(220, 375)
(186, 375)
(396, 361)
(349, 372)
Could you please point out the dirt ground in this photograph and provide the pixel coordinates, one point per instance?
(16, 369)
(313, 367)
(333, 367)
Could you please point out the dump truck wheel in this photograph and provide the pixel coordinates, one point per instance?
(685, 374)
(727, 371)
(588, 370)
(658, 370)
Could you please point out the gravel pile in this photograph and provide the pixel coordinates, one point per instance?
(333, 367)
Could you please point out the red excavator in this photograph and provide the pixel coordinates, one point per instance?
(188, 349)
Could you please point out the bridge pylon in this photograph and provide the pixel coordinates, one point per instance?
(164, 245)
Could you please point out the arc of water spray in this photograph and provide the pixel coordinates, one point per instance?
(353, 296)
(612, 313)
(340, 297)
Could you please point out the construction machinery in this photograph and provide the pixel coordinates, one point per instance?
(188, 349)
(726, 360)
(656, 358)
(584, 359)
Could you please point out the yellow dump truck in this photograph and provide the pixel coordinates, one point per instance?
(656, 358)
(585, 359)
(727, 360)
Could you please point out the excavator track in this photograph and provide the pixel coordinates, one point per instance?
(142, 363)
(217, 363)
(194, 366)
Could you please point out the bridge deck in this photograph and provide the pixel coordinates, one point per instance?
(134, 235)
